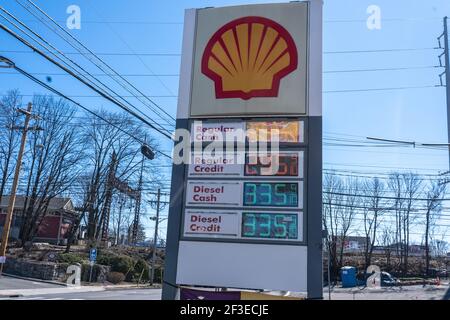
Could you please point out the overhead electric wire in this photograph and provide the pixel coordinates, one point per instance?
(177, 75)
(46, 44)
(64, 62)
(98, 74)
(94, 96)
(134, 22)
(150, 54)
(81, 80)
(381, 197)
(382, 89)
(46, 86)
(162, 54)
(91, 53)
(381, 50)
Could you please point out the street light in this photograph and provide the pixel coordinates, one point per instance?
(147, 152)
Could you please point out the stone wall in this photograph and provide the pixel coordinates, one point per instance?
(52, 271)
(33, 269)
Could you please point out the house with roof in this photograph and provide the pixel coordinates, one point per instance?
(55, 226)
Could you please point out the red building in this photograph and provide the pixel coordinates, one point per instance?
(54, 228)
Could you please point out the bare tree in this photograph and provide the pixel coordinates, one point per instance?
(374, 207)
(106, 139)
(387, 239)
(346, 216)
(56, 157)
(413, 187)
(340, 200)
(435, 194)
(332, 205)
(9, 137)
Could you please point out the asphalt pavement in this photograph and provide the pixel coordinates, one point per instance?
(12, 288)
(10, 283)
(128, 294)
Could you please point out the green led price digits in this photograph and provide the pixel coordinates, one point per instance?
(269, 226)
(271, 194)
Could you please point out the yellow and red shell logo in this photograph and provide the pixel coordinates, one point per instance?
(248, 57)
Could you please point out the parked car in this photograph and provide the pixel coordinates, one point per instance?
(442, 273)
(387, 280)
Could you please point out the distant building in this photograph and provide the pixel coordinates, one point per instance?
(55, 226)
(352, 244)
(414, 250)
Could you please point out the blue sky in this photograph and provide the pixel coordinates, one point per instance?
(414, 114)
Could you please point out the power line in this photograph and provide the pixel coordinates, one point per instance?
(380, 50)
(130, 49)
(94, 96)
(46, 86)
(99, 74)
(382, 69)
(381, 167)
(382, 89)
(149, 54)
(329, 91)
(381, 197)
(83, 81)
(45, 44)
(163, 54)
(91, 53)
(177, 75)
(134, 22)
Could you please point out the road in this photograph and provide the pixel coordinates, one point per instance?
(417, 292)
(22, 289)
(19, 289)
(128, 294)
(9, 283)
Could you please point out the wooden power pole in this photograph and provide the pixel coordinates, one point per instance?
(155, 238)
(12, 198)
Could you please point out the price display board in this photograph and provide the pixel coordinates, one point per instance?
(280, 165)
(246, 225)
(285, 131)
(273, 194)
(246, 192)
(270, 226)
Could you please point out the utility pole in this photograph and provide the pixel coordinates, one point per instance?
(137, 210)
(446, 55)
(108, 197)
(12, 198)
(155, 238)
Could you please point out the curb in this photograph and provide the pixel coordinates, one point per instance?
(111, 288)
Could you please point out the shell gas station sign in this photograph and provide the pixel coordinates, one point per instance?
(245, 207)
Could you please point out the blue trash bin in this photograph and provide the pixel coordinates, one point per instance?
(348, 277)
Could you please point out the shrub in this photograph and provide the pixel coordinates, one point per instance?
(115, 277)
(122, 264)
(140, 265)
(118, 263)
(105, 259)
(70, 258)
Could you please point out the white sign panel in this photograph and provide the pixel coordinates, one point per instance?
(251, 60)
(207, 193)
(216, 131)
(249, 194)
(243, 265)
(224, 165)
(211, 224)
(249, 225)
